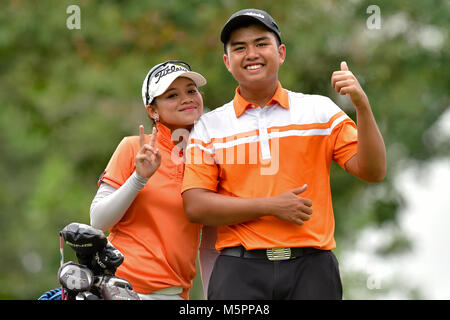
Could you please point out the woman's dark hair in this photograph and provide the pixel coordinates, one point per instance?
(153, 104)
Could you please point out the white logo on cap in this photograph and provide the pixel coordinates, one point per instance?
(254, 14)
(167, 70)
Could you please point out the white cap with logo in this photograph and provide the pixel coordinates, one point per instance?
(161, 76)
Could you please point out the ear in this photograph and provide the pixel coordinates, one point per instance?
(226, 60)
(282, 53)
(151, 111)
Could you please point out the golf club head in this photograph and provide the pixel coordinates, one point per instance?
(75, 277)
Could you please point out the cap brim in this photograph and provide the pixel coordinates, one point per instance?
(194, 76)
(198, 79)
(235, 23)
(241, 20)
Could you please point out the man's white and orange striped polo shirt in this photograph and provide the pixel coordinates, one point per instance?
(242, 150)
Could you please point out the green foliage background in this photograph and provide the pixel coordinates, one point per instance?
(67, 97)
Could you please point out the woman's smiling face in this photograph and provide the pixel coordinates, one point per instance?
(179, 106)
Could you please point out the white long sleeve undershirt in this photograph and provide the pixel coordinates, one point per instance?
(110, 204)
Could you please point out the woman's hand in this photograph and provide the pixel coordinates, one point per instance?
(148, 158)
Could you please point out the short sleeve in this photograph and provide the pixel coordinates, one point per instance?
(201, 170)
(121, 165)
(345, 141)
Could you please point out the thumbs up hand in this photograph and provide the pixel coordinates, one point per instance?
(344, 82)
(344, 66)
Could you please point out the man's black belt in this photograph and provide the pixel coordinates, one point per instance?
(274, 254)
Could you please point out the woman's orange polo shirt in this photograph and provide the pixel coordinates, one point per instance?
(158, 242)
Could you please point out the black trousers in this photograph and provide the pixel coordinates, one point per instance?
(311, 276)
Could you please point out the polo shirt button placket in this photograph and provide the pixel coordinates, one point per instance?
(263, 135)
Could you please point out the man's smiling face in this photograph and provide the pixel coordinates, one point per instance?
(254, 56)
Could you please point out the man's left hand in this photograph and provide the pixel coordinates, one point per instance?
(345, 82)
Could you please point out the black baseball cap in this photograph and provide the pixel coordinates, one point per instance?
(249, 15)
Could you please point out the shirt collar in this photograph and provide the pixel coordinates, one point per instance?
(164, 134)
(280, 97)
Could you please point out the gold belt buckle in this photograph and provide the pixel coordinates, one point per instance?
(276, 254)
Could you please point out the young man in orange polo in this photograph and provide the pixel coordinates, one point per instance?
(258, 168)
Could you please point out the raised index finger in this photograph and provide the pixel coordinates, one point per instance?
(141, 135)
